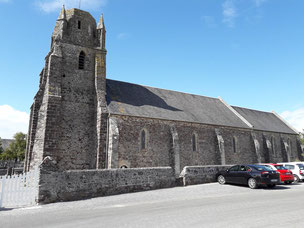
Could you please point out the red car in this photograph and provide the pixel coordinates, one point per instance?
(286, 175)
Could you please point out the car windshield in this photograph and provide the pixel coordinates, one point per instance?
(261, 168)
(301, 166)
(280, 167)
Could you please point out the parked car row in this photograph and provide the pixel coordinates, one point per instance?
(297, 169)
(263, 174)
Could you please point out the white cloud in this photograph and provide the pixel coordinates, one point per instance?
(122, 36)
(258, 3)
(229, 13)
(12, 121)
(295, 118)
(49, 6)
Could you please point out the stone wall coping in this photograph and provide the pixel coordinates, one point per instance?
(188, 169)
(118, 170)
(205, 166)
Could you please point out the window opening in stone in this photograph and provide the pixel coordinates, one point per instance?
(81, 60)
(234, 141)
(143, 139)
(79, 24)
(273, 145)
(194, 145)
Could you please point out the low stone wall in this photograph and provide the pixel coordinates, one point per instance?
(192, 175)
(82, 184)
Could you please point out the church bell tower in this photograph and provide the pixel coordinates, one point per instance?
(69, 110)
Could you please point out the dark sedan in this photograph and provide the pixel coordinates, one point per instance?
(251, 175)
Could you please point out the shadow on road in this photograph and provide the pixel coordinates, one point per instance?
(6, 209)
(278, 187)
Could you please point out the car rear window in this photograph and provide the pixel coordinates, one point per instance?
(301, 166)
(261, 168)
(290, 166)
(280, 167)
(270, 167)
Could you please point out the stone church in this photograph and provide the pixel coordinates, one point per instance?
(82, 120)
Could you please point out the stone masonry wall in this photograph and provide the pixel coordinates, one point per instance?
(192, 175)
(240, 145)
(81, 184)
(77, 133)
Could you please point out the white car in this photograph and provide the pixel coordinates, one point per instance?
(297, 169)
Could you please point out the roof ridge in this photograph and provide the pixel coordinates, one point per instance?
(234, 106)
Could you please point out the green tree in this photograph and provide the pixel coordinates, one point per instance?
(1, 148)
(16, 150)
(302, 137)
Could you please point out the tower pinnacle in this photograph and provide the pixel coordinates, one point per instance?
(102, 32)
(101, 23)
(62, 15)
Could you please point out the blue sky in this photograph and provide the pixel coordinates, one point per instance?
(249, 52)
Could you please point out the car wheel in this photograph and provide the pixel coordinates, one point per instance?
(287, 182)
(221, 179)
(252, 183)
(271, 185)
(296, 178)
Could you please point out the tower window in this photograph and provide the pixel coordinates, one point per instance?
(143, 140)
(81, 60)
(79, 24)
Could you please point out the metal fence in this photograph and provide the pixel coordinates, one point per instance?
(19, 190)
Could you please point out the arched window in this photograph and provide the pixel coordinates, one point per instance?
(234, 142)
(143, 140)
(194, 142)
(273, 145)
(81, 60)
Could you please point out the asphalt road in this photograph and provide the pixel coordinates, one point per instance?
(209, 205)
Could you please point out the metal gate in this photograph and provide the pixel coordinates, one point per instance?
(19, 190)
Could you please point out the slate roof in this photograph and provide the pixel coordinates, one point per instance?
(265, 121)
(136, 100)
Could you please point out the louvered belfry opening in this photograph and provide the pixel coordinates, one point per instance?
(81, 60)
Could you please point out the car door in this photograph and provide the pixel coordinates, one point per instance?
(232, 174)
(243, 174)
